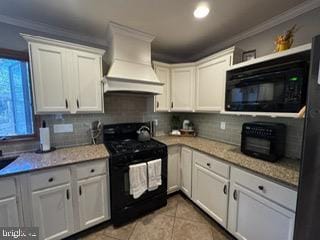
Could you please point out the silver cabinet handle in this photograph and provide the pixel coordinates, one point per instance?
(235, 195)
(67, 194)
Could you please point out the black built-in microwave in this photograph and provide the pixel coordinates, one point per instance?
(263, 140)
(274, 86)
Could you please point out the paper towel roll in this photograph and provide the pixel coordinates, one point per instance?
(45, 139)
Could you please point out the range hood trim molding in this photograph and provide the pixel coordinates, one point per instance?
(133, 81)
(126, 85)
(130, 32)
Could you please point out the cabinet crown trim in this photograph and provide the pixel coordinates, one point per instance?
(50, 41)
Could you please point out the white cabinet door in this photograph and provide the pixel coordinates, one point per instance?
(210, 192)
(92, 198)
(9, 209)
(87, 72)
(182, 89)
(52, 212)
(210, 84)
(162, 102)
(252, 217)
(50, 76)
(9, 212)
(186, 170)
(173, 169)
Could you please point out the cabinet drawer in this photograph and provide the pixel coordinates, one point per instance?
(49, 178)
(91, 169)
(275, 192)
(8, 187)
(211, 164)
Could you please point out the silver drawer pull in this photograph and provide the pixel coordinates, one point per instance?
(225, 189)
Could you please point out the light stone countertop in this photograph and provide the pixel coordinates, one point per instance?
(285, 171)
(31, 161)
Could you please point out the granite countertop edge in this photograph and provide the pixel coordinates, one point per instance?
(285, 171)
(31, 161)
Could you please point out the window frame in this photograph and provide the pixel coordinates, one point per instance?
(24, 56)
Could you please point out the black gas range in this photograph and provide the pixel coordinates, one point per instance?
(125, 150)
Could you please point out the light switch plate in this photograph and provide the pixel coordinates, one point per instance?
(223, 125)
(62, 128)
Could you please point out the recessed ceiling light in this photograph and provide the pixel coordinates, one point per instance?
(201, 11)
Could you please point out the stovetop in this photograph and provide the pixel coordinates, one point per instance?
(125, 146)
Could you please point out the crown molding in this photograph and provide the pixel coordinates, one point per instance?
(166, 58)
(117, 28)
(49, 41)
(51, 30)
(292, 13)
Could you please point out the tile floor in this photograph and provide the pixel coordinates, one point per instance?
(179, 220)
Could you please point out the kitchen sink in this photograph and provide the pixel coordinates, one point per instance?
(5, 161)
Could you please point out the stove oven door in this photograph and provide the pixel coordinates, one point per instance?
(121, 200)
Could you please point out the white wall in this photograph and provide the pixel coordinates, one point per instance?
(264, 42)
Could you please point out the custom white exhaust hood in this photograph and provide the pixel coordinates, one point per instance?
(129, 59)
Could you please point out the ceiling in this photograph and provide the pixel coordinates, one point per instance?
(178, 33)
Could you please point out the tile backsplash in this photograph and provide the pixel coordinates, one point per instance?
(122, 108)
(119, 108)
(208, 126)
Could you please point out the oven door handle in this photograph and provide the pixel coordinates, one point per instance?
(122, 166)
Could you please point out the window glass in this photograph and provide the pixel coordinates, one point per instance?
(16, 118)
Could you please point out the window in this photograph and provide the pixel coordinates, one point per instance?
(16, 118)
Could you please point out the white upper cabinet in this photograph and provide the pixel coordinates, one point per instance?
(182, 89)
(197, 86)
(210, 84)
(87, 81)
(162, 102)
(50, 76)
(66, 77)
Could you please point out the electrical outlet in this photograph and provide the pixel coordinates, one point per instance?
(156, 122)
(62, 128)
(223, 125)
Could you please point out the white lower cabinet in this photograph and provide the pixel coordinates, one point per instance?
(53, 212)
(92, 200)
(260, 209)
(209, 189)
(173, 169)
(67, 200)
(186, 171)
(9, 216)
